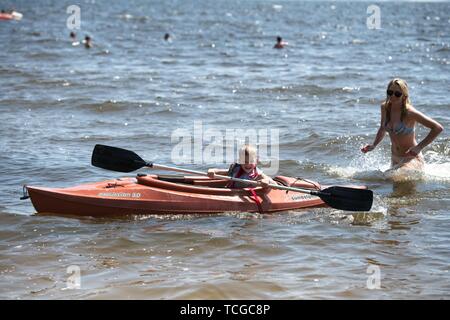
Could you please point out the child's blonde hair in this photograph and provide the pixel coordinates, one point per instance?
(248, 154)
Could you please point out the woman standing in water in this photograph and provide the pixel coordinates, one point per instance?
(398, 118)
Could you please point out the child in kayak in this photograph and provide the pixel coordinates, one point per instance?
(246, 169)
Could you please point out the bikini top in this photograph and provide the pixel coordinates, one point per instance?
(401, 128)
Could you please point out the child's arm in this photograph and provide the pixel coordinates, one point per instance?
(213, 171)
(265, 180)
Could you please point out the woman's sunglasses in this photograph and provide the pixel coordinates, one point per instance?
(398, 94)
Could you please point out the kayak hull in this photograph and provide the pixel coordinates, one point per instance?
(151, 194)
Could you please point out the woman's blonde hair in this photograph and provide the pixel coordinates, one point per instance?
(406, 102)
(248, 154)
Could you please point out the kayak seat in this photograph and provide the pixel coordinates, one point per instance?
(194, 180)
(175, 179)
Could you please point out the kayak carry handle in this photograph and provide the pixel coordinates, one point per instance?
(25, 193)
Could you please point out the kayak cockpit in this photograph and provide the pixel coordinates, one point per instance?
(190, 184)
(202, 184)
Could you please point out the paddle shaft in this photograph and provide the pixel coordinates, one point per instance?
(250, 182)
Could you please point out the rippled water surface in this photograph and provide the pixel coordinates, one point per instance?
(133, 89)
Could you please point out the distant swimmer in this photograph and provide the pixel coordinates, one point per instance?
(167, 37)
(280, 43)
(10, 15)
(73, 38)
(87, 42)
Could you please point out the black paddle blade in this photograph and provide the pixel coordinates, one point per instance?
(116, 159)
(348, 199)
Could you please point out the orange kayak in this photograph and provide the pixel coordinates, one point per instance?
(152, 194)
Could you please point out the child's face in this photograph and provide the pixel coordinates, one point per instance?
(248, 167)
(248, 161)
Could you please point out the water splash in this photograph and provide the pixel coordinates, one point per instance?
(376, 167)
(363, 167)
(437, 166)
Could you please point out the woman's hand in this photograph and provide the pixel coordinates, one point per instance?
(367, 148)
(211, 173)
(413, 152)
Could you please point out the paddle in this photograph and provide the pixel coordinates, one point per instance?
(122, 160)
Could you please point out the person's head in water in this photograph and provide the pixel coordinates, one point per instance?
(73, 35)
(248, 157)
(280, 44)
(167, 37)
(87, 42)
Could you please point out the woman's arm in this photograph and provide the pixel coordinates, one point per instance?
(381, 133)
(436, 129)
